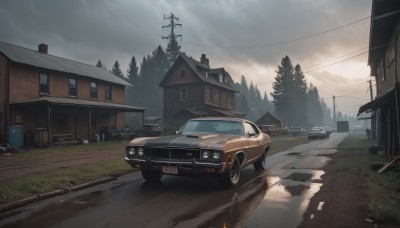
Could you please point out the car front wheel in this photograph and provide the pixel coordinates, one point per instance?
(151, 176)
(259, 164)
(231, 179)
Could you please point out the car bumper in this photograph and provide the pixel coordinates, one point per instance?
(183, 167)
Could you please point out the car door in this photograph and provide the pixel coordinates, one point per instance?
(252, 135)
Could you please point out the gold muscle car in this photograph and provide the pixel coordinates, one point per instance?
(215, 146)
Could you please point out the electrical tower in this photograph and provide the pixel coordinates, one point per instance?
(172, 24)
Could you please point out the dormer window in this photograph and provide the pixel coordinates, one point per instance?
(220, 78)
(206, 74)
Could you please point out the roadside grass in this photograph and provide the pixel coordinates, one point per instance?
(22, 187)
(64, 149)
(27, 186)
(382, 189)
(284, 142)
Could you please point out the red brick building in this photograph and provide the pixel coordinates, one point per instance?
(192, 89)
(57, 96)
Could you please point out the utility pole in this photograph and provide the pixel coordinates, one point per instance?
(172, 24)
(334, 111)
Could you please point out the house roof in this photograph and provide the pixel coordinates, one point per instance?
(42, 60)
(80, 103)
(196, 66)
(259, 121)
(383, 18)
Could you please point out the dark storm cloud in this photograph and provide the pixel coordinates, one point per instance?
(88, 30)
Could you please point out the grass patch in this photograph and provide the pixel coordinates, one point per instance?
(383, 189)
(284, 142)
(27, 186)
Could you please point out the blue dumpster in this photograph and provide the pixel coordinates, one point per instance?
(16, 136)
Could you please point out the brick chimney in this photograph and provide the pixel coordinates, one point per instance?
(204, 60)
(43, 48)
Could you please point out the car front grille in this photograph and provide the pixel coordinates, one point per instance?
(171, 153)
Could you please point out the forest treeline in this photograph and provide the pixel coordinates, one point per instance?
(292, 99)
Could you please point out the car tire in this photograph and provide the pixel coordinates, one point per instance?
(259, 164)
(231, 179)
(151, 176)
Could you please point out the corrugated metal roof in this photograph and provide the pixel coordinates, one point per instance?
(79, 103)
(37, 59)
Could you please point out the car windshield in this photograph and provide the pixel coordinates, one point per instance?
(212, 126)
(316, 129)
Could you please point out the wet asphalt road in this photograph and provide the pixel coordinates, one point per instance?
(275, 197)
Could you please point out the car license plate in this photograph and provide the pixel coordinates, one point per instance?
(170, 169)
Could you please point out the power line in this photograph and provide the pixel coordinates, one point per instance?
(336, 62)
(280, 43)
(339, 57)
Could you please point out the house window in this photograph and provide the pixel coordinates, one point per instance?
(44, 83)
(93, 90)
(108, 93)
(211, 95)
(220, 78)
(206, 74)
(183, 74)
(183, 94)
(62, 120)
(93, 121)
(72, 87)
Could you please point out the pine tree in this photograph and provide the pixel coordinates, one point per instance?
(99, 64)
(315, 112)
(116, 70)
(299, 105)
(173, 49)
(132, 72)
(281, 90)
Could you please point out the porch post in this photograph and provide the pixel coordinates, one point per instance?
(89, 124)
(48, 123)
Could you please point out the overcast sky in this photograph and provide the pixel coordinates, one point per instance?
(245, 37)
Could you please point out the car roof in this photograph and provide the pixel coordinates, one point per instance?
(221, 118)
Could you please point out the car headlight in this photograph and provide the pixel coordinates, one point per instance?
(216, 155)
(140, 151)
(205, 154)
(130, 151)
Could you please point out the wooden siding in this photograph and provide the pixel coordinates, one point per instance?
(24, 85)
(174, 77)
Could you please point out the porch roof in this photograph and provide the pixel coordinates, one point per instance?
(72, 102)
(380, 101)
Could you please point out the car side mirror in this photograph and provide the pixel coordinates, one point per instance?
(250, 134)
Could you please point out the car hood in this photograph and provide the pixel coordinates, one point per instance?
(192, 140)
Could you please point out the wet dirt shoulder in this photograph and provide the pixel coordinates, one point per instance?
(341, 202)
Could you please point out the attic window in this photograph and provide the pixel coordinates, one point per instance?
(206, 74)
(183, 74)
(220, 77)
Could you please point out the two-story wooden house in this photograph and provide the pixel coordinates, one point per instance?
(192, 89)
(384, 61)
(50, 96)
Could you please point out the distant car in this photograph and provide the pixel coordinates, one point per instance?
(219, 147)
(328, 130)
(151, 130)
(294, 131)
(317, 133)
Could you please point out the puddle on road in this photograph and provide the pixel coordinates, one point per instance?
(233, 213)
(302, 177)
